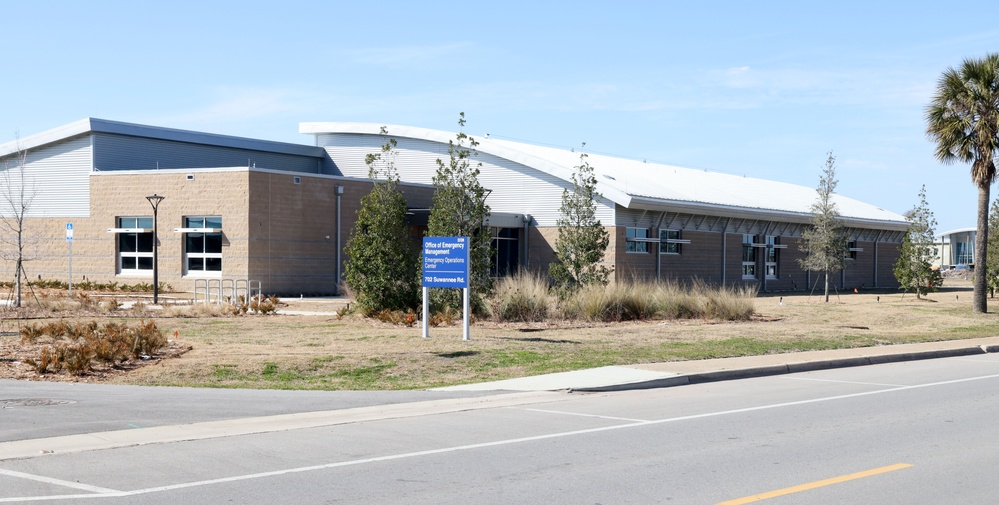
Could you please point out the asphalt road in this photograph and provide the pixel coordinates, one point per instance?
(912, 433)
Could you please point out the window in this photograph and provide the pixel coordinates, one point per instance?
(506, 252)
(748, 258)
(202, 245)
(772, 256)
(633, 237)
(135, 246)
(665, 244)
(852, 250)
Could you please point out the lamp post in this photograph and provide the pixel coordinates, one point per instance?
(155, 200)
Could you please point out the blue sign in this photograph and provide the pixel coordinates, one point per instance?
(445, 262)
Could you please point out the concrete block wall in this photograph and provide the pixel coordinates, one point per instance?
(113, 195)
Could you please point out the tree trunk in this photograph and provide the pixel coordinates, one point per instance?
(17, 283)
(827, 286)
(980, 303)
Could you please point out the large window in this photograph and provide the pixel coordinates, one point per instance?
(748, 258)
(202, 245)
(135, 244)
(669, 241)
(506, 252)
(772, 256)
(636, 246)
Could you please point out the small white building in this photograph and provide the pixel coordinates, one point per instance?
(956, 247)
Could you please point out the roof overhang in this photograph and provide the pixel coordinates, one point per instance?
(485, 146)
(753, 213)
(93, 125)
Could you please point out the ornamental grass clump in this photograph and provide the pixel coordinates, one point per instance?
(521, 298)
(673, 301)
(637, 300)
(76, 347)
(727, 303)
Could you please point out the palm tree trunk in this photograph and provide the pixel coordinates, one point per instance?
(980, 303)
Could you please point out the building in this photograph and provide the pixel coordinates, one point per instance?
(235, 209)
(665, 222)
(956, 248)
(238, 209)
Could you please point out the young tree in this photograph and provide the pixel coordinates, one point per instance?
(582, 240)
(914, 268)
(824, 242)
(16, 196)
(459, 209)
(963, 120)
(381, 264)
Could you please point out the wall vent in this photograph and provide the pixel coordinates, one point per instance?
(190, 177)
(298, 180)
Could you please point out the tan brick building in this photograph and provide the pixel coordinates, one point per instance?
(277, 219)
(665, 222)
(238, 209)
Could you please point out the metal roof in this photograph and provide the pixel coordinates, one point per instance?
(94, 125)
(637, 184)
(959, 230)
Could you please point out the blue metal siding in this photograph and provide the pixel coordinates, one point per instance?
(123, 152)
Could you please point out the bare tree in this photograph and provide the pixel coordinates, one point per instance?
(17, 192)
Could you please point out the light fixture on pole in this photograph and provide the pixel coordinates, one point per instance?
(155, 200)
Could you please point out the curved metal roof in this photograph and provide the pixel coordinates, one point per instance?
(637, 184)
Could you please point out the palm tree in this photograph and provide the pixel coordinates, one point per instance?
(963, 120)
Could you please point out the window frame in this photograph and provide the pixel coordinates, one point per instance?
(852, 250)
(749, 257)
(207, 226)
(771, 258)
(632, 246)
(666, 247)
(127, 228)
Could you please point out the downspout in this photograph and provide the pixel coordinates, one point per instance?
(766, 251)
(842, 272)
(339, 193)
(724, 256)
(527, 243)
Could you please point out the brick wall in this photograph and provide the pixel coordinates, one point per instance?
(114, 195)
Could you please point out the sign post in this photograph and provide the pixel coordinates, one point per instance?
(69, 241)
(445, 265)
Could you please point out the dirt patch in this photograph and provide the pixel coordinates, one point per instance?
(16, 358)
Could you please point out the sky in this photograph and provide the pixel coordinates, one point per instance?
(762, 89)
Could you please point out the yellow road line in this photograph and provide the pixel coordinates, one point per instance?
(816, 484)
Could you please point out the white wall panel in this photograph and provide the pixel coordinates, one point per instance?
(516, 188)
(57, 176)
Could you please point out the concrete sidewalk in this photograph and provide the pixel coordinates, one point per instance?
(657, 375)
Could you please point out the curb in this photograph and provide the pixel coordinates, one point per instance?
(809, 366)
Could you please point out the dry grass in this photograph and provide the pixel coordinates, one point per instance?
(337, 352)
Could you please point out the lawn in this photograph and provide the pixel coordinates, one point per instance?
(327, 351)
